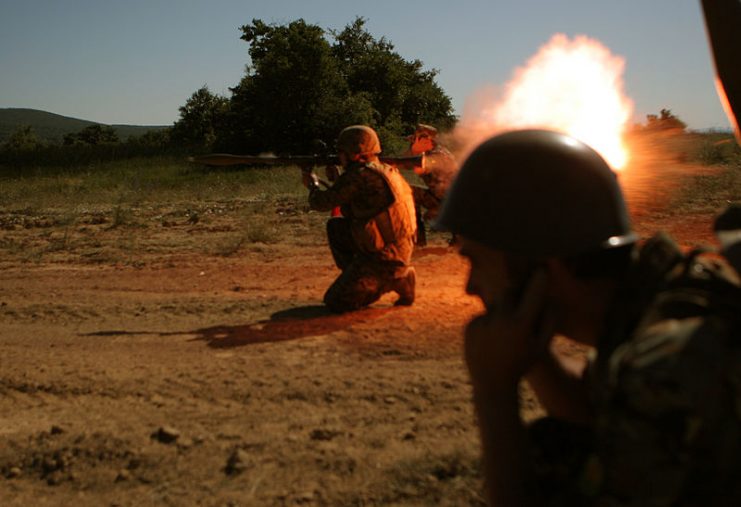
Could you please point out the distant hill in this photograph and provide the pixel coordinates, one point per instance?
(53, 127)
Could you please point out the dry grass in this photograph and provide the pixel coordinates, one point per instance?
(103, 214)
(124, 211)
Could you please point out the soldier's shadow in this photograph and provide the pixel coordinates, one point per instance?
(284, 325)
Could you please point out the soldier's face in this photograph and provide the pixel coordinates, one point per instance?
(496, 277)
(488, 275)
(421, 144)
(343, 157)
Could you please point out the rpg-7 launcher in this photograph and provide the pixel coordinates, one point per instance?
(305, 162)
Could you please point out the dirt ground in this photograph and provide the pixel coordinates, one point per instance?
(175, 376)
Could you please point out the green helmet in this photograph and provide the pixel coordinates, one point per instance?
(539, 194)
(359, 140)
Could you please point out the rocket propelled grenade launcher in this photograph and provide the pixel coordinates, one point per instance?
(305, 162)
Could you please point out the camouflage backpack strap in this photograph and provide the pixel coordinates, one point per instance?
(669, 389)
(647, 275)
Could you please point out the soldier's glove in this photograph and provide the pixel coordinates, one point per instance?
(310, 180)
(332, 172)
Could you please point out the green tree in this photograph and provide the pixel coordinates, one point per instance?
(201, 118)
(92, 135)
(23, 138)
(156, 138)
(305, 84)
(664, 121)
(402, 93)
(293, 92)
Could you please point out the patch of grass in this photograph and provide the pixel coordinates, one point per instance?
(22, 250)
(12, 246)
(59, 243)
(138, 181)
(709, 193)
(444, 479)
(260, 231)
(717, 151)
(229, 246)
(122, 215)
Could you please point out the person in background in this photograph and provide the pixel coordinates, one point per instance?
(437, 172)
(373, 239)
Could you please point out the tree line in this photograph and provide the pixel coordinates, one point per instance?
(301, 86)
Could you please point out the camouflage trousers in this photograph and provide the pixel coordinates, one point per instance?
(363, 279)
(424, 198)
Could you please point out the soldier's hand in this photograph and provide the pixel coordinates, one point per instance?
(332, 172)
(502, 344)
(310, 180)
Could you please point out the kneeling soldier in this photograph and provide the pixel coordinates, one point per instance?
(373, 241)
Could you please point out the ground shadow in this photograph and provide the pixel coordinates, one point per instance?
(289, 324)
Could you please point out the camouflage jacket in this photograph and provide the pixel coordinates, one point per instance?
(440, 169)
(365, 197)
(667, 386)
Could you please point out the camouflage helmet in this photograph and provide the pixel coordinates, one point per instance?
(539, 194)
(423, 130)
(358, 140)
(429, 130)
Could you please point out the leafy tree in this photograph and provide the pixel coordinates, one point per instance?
(301, 86)
(293, 92)
(93, 135)
(23, 138)
(664, 121)
(156, 138)
(400, 91)
(201, 118)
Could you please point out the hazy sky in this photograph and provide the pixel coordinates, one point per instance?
(137, 61)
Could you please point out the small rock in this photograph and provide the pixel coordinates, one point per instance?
(185, 443)
(14, 472)
(123, 475)
(323, 434)
(166, 434)
(56, 430)
(157, 400)
(305, 497)
(237, 462)
(55, 479)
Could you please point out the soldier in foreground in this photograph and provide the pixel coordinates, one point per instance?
(437, 173)
(372, 242)
(652, 418)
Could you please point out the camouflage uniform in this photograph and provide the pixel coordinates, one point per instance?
(440, 167)
(439, 170)
(373, 241)
(666, 385)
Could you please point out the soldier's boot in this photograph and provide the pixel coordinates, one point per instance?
(405, 287)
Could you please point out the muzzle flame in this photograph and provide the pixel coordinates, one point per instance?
(573, 86)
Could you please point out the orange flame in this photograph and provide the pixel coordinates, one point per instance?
(574, 87)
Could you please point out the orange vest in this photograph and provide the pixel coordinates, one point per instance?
(395, 223)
